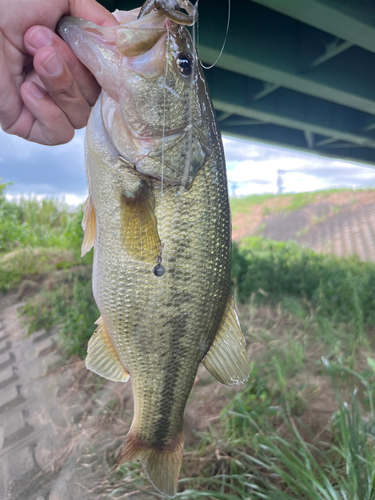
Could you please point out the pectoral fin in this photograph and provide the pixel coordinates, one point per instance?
(228, 360)
(102, 357)
(89, 226)
(139, 225)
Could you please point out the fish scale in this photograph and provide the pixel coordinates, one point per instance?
(156, 329)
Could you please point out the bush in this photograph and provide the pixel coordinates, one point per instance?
(37, 236)
(34, 223)
(341, 288)
(70, 307)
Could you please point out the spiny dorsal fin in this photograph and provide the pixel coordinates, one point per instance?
(102, 357)
(228, 360)
(162, 465)
(89, 226)
(139, 225)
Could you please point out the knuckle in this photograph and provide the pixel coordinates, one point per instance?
(81, 120)
(61, 135)
(67, 90)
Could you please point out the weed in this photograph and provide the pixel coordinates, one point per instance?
(266, 211)
(341, 289)
(242, 204)
(290, 201)
(36, 237)
(70, 306)
(26, 263)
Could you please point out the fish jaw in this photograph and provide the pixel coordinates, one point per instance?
(95, 48)
(102, 48)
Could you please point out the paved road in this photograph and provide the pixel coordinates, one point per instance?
(41, 438)
(34, 425)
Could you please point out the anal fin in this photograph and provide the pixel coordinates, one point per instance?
(102, 357)
(228, 360)
(89, 226)
(139, 225)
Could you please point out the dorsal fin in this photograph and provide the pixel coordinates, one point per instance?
(102, 357)
(228, 360)
(89, 226)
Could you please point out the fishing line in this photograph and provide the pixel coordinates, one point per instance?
(159, 269)
(225, 38)
(164, 106)
(190, 115)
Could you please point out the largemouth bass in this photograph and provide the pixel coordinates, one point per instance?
(158, 216)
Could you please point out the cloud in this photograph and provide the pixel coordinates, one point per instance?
(300, 171)
(252, 168)
(43, 170)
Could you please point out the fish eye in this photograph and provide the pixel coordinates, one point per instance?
(185, 63)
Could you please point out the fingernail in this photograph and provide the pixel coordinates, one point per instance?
(40, 37)
(53, 65)
(35, 90)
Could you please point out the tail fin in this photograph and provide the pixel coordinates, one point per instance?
(162, 465)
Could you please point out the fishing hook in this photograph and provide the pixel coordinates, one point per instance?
(170, 9)
(159, 269)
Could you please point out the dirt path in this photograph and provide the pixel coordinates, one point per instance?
(32, 425)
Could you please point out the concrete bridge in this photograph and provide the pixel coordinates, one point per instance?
(298, 73)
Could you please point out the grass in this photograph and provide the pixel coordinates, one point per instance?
(341, 289)
(242, 204)
(289, 203)
(65, 303)
(37, 236)
(32, 264)
(303, 427)
(270, 443)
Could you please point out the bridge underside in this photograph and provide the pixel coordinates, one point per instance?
(298, 73)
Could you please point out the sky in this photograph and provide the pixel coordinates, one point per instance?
(252, 167)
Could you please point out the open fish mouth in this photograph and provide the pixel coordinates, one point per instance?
(171, 9)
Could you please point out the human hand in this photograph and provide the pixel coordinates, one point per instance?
(45, 92)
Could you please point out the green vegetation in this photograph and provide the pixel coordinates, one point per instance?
(290, 202)
(37, 237)
(40, 242)
(339, 289)
(33, 223)
(302, 427)
(243, 203)
(65, 303)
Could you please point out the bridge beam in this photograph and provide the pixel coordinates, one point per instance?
(271, 47)
(351, 20)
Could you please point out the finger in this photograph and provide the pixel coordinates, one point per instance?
(92, 11)
(40, 36)
(10, 101)
(41, 120)
(60, 84)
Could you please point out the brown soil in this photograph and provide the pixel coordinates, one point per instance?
(341, 223)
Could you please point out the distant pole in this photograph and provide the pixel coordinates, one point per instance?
(279, 182)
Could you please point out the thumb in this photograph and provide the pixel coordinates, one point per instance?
(90, 10)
